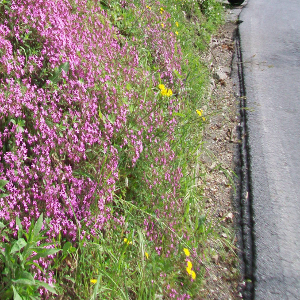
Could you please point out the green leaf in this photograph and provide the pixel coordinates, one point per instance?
(18, 222)
(20, 129)
(20, 124)
(6, 272)
(65, 66)
(2, 225)
(100, 114)
(72, 250)
(46, 286)
(16, 295)
(70, 278)
(26, 275)
(38, 226)
(29, 263)
(45, 253)
(66, 247)
(57, 72)
(3, 195)
(18, 245)
(111, 118)
(55, 77)
(3, 183)
(2, 257)
(179, 114)
(20, 256)
(131, 108)
(22, 281)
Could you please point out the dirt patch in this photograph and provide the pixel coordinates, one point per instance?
(218, 160)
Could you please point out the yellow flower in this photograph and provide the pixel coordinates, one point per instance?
(161, 86)
(126, 241)
(176, 32)
(162, 25)
(193, 275)
(147, 255)
(93, 281)
(189, 264)
(186, 252)
(177, 24)
(164, 91)
(189, 271)
(169, 93)
(203, 118)
(161, 10)
(199, 112)
(149, 7)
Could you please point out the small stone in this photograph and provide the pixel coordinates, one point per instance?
(229, 218)
(220, 75)
(215, 258)
(225, 70)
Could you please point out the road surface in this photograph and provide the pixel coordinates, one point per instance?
(270, 43)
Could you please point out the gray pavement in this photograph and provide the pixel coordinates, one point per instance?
(270, 41)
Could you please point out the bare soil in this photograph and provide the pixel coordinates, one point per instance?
(224, 279)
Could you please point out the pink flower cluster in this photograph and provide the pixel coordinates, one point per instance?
(75, 107)
(47, 161)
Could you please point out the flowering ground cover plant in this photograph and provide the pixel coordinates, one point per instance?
(97, 128)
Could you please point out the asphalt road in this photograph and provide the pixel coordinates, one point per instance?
(270, 42)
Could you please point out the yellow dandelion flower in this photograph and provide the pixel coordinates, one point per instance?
(162, 25)
(149, 7)
(186, 252)
(169, 92)
(199, 112)
(166, 92)
(161, 10)
(193, 275)
(203, 118)
(161, 86)
(176, 32)
(93, 281)
(147, 255)
(163, 92)
(189, 264)
(177, 24)
(189, 271)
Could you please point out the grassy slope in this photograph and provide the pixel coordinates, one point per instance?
(142, 256)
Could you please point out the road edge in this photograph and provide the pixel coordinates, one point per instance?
(244, 184)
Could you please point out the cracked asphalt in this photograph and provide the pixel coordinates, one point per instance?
(270, 43)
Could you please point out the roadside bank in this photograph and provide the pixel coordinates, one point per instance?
(225, 161)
